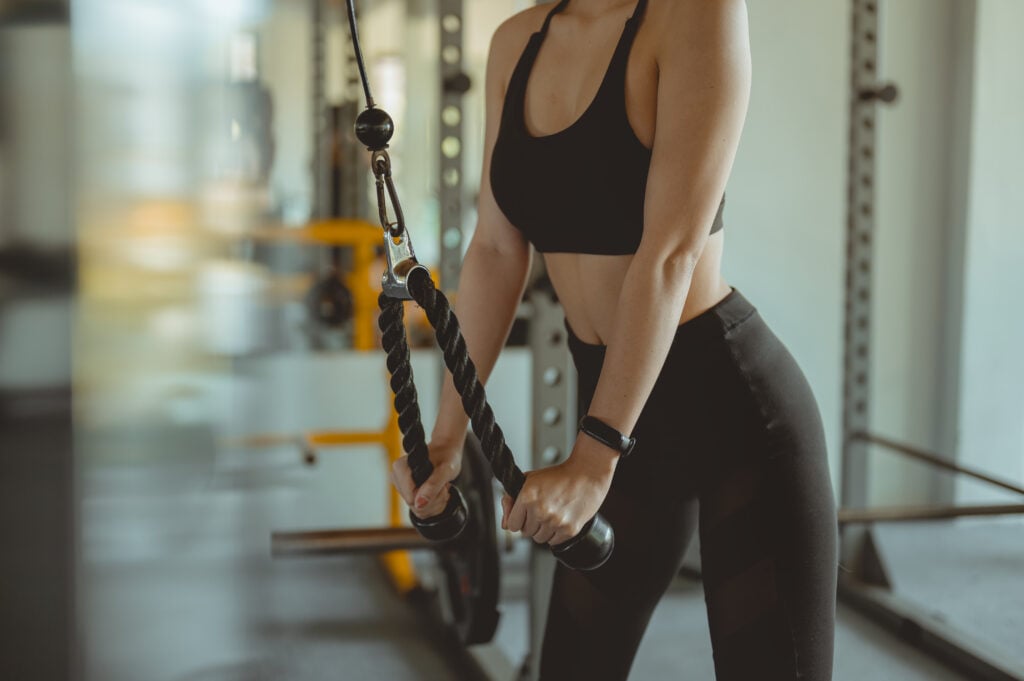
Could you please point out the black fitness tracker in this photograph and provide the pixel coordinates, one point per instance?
(605, 434)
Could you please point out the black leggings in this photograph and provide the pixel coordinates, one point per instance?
(731, 426)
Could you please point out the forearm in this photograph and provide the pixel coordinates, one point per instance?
(490, 287)
(646, 317)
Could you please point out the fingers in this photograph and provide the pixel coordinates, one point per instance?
(506, 507)
(517, 515)
(401, 478)
(532, 520)
(544, 535)
(560, 537)
(432, 495)
(430, 499)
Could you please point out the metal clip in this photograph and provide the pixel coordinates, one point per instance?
(401, 263)
(397, 244)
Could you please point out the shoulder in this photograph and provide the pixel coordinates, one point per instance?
(528, 20)
(682, 12)
(511, 36)
(688, 24)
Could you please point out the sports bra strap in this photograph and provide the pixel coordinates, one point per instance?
(637, 13)
(638, 10)
(554, 10)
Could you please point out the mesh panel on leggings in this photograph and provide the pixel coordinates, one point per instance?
(596, 619)
(747, 616)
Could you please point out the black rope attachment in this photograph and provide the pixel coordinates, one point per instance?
(587, 550)
(406, 279)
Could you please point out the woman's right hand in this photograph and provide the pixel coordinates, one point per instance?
(430, 498)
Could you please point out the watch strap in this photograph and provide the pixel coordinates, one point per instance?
(605, 434)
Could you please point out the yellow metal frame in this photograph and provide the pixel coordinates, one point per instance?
(398, 564)
(363, 237)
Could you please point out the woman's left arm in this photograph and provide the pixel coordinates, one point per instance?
(703, 91)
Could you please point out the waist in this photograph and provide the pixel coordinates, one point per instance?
(708, 326)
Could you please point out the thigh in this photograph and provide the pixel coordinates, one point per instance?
(768, 560)
(768, 530)
(597, 618)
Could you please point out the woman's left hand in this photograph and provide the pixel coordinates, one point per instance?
(556, 502)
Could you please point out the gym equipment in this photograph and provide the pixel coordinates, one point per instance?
(330, 301)
(471, 565)
(362, 240)
(406, 279)
(866, 585)
(849, 516)
(469, 574)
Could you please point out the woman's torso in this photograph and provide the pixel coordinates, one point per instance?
(575, 49)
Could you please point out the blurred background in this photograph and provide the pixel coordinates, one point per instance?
(190, 255)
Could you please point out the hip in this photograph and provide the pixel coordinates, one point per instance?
(729, 388)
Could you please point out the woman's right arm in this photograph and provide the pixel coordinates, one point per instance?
(494, 272)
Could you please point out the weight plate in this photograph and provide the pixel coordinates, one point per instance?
(471, 563)
(330, 301)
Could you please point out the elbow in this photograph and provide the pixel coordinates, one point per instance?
(675, 267)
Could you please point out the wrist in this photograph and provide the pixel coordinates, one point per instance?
(445, 436)
(597, 459)
(445, 448)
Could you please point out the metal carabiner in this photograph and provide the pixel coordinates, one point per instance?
(397, 245)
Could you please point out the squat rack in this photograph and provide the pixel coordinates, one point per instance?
(867, 585)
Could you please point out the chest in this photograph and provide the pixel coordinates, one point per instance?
(568, 72)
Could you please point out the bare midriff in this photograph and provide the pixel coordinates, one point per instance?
(588, 287)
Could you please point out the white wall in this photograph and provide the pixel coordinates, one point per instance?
(784, 202)
(915, 179)
(992, 397)
(285, 58)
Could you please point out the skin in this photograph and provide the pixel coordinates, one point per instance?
(687, 92)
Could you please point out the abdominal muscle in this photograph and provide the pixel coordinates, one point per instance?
(589, 286)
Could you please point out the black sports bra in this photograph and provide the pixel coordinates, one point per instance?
(579, 190)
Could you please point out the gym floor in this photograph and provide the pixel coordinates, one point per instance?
(178, 583)
(227, 612)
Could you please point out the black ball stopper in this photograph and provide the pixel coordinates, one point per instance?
(374, 128)
(589, 549)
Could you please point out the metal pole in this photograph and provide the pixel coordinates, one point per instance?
(906, 513)
(318, 104)
(936, 460)
(331, 542)
(860, 226)
(554, 417)
(454, 84)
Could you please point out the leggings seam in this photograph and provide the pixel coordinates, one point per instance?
(766, 420)
(736, 322)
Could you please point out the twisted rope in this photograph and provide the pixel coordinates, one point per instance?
(467, 384)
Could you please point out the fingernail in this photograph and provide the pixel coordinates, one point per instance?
(421, 502)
